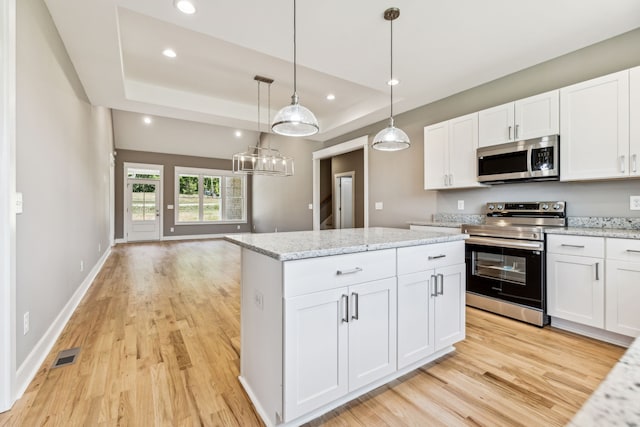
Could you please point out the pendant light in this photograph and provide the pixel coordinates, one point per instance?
(391, 138)
(260, 160)
(294, 119)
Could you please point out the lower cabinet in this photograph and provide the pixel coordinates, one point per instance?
(337, 341)
(432, 313)
(623, 286)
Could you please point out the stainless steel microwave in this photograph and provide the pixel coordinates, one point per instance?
(529, 160)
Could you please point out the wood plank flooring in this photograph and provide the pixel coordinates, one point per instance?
(159, 332)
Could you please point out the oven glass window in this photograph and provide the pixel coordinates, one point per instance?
(508, 268)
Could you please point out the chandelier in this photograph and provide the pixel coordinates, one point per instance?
(260, 160)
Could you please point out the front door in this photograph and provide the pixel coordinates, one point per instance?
(143, 211)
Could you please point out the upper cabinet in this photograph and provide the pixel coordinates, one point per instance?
(527, 118)
(634, 136)
(450, 154)
(594, 141)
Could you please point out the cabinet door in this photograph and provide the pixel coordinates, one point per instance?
(634, 137)
(372, 332)
(436, 156)
(463, 143)
(594, 128)
(538, 116)
(575, 289)
(315, 351)
(449, 313)
(623, 294)
(416, 294)
(496, 125)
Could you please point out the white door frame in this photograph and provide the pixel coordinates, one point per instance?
(334, 150)
(337, 192)
(7, 203)
(125, 194)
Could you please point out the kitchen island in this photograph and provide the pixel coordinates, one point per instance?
(327, 316)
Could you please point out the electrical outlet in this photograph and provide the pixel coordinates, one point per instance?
(258, 300)
(310, 206)
(238, 227)
(99, 247)
(460, 205)
(634, 203)
(81, 265)
(26, 323)
(171, 229)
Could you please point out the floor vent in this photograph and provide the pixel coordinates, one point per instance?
(66, 357)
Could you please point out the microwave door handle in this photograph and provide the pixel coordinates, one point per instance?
(529, 159)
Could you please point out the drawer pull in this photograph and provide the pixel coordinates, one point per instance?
(633, 251)
(572, 246)
(436, 256)
(345, 272)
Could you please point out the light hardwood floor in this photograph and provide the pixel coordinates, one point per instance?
(159, 332)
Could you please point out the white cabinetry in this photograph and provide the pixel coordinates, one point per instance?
(575, 279)
(594, 141)
(431, 297)
(623, 287)
(341, 339)
(634, 129)
(450, 154)
(526, 118)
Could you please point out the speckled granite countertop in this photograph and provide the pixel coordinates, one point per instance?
(311, 244)
(595, 232)
(436, 223)
(616, 402)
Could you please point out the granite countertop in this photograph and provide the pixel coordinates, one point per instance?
(616, 401)
(595, 232)
(310, 244)
(436, 223)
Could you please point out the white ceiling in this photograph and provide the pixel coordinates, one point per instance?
(440, 48)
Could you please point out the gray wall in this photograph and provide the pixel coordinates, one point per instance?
(397, 178)
(62, 162)
(170, 161)
(347, 162)
(282, 202)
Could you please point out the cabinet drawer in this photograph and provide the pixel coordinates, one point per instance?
(623, 249)
(318, 274)
(576, 245)
(426, 257)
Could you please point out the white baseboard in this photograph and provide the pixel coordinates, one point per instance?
(591, 332)
(198, 236)
(29, 368)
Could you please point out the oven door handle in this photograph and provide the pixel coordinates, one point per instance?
(506, 243)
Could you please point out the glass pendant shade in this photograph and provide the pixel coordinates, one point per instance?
(295, 120)
(391, 138)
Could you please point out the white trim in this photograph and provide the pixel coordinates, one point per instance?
(198, 236)
(29, 368)
(334, 150)
(7, 203)
(125, 202)
(337, 193)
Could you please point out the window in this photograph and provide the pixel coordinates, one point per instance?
(209, 196)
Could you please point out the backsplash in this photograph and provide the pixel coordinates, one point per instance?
(603, 222)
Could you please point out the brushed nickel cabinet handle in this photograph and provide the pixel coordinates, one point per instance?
(622, 163)
(356, 308)
(430, 257)
(441, 276)
(509, 133)
(351, 271)
(633, 251)
(597, 271)
(434, 285)
(345, 308)
(516, 135)
(572, 246)
(634, 165)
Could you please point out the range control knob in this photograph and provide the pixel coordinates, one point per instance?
(556, 206)
(545, 207)
(491, 207)
(500, 207)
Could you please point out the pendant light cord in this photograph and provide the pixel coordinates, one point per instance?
(391, 78)
(295, 91)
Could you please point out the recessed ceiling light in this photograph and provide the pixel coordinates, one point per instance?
(238, 134)
(331, 97)
(393, 82)
(147, 120)
(186, 6)
(169, 53)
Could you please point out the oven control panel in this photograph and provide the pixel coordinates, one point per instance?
(510, 208)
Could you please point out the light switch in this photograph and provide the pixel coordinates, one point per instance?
(18, 203)
(310, 206)
(460, 205)
(169, 207)
(379, 206)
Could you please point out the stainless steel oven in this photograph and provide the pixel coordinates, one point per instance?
(506, 259)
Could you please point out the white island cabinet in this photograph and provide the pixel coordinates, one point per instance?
(322, 315)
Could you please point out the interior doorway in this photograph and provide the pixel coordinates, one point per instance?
(143, 202)
(345, 212)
